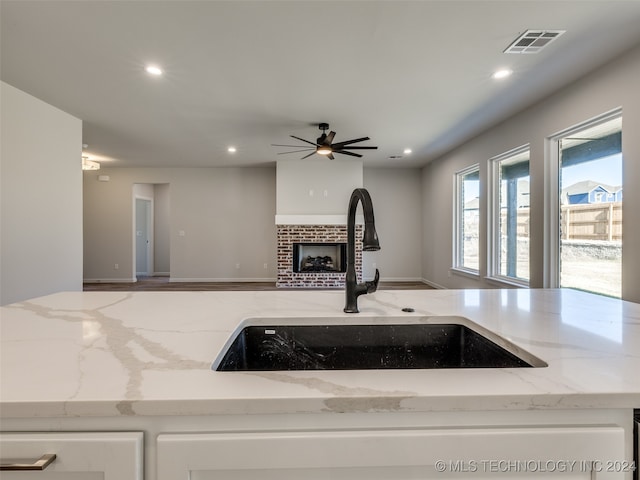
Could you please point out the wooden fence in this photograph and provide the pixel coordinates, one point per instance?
(581, 222)
(592, 222)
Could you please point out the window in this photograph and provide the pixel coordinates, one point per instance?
(586, 241)
(508, 258)
(467, 220)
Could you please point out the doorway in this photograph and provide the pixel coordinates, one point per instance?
(151, 230)
(144, 237)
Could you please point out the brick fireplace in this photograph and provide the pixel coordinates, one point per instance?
(290, 236)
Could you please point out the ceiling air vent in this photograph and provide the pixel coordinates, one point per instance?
(532, 41)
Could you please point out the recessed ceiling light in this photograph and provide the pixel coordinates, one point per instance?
(407, 151)
(502, 73)
(232, 150)
(153, 70)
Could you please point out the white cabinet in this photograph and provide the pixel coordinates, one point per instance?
(504, 452)
(79, 456)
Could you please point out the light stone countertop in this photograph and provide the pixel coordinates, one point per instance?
(149, 353)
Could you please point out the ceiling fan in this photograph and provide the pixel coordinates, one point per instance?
(324, 146)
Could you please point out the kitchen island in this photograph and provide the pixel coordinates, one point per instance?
(123, 362)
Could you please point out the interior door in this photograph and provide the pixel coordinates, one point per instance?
(143, 237)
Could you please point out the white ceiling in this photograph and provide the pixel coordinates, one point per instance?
(405, 73)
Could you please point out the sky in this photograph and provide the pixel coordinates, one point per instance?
(607, 170)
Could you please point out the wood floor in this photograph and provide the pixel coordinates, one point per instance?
(159, 284)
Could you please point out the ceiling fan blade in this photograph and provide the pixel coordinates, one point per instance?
(307, 156)
(280, 145)
(344, 152)
(303, 140)
(358, 148)
(349, 142)
(298, 151)
(329, 138)
(331, 157)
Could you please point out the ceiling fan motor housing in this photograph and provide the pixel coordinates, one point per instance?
(324, 144)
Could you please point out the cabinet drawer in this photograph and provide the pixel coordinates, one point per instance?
(79, 455)
(393, 454)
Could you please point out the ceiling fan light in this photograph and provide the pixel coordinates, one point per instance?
(324, 150)
(89, 164)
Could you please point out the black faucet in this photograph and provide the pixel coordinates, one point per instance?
(369, 243)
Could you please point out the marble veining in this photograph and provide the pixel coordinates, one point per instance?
(377, 400)
(149, 353)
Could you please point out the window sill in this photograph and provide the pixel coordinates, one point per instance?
(512, 282)
(464, 272)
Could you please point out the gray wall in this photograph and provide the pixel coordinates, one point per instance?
(228, 217)
(612, 86)
(162, 227)
(41, 221)
(397, 197)
(219, 218)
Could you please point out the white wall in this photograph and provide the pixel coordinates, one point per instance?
(41, 184)
(397, 199)
(316, 186)
(226, 215)
(612, 86)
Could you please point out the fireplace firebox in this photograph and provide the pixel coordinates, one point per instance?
(319, 257)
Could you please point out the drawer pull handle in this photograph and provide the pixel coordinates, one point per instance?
(40, 464)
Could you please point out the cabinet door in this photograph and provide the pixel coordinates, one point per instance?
(471, 453)
(79, 456)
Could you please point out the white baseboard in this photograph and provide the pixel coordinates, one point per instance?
(177, 280)
(400, 279)
(432, 284)
(109, 280)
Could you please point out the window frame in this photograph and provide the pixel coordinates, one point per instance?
(551, 252)
(494, 215)
(458, 226)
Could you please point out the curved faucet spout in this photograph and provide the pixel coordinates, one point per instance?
(370, 242)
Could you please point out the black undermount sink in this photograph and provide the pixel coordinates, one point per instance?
(372, 346)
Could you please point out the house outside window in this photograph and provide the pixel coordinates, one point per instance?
(508, 255)
(466, 254)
